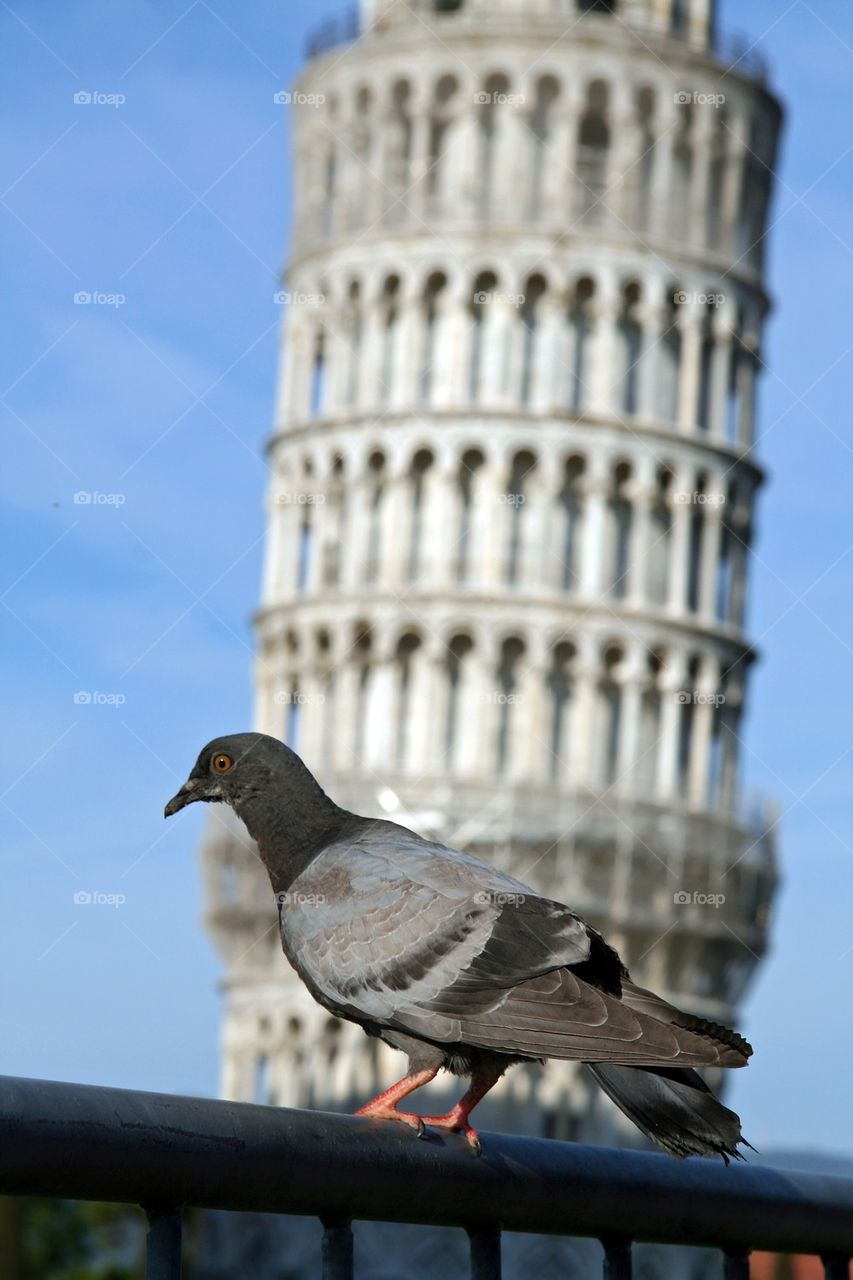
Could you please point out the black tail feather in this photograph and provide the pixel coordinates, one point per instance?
(674, 1107)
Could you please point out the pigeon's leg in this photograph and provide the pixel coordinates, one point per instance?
(384, 1105)
(457, 1118)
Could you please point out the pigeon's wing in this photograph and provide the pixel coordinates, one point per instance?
(436, 944)
(377, 930)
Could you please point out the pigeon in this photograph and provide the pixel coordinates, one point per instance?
(458, 965)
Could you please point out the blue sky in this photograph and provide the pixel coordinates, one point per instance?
(177, 201)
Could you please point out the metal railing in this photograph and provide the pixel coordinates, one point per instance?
(167, 1153)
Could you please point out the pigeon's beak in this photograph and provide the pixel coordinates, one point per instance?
(188, 792)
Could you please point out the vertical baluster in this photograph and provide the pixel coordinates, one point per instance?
(617, 1259)
(337, 1249)
(163, 1244)
(736, 1264)
(836, 1266)
(485, 1253)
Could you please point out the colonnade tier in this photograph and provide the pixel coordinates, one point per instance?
(627, 532)
(575, 135)
(641, 343)
(609, 703)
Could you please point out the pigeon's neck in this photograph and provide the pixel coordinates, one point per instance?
(292, 831)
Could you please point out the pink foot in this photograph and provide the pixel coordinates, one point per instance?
(383, 1112)
(456, 1121)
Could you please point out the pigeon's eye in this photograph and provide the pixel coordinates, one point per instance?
(221, 763)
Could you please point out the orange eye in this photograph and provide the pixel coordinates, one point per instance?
(221, 763)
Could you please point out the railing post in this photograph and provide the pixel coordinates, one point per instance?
(163, 1244)
(337, 1249)
(485, 1253)
(736, 1264)
(617, 1259)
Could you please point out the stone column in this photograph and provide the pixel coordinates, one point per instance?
(629, 729)
(396, 537)
(683, 486)
(690, 324)
(720, 369)
(712, 526)
(381, 720)
(531, 761)
(593, 532)
(700, 744)
(581, 752)
(672, 685)
(642, 498)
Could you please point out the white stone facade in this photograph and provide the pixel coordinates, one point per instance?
(512, 495)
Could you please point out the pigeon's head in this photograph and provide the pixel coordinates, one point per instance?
(237, 768)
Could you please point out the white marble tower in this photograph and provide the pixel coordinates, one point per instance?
(512, 492)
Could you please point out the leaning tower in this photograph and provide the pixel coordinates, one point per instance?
(512, 484)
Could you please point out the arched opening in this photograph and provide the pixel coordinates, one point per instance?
(516, 498)
(398, 139)
(681, 176)
(630, 344)
(318, 377)
(362, 659)
(407, 647)
(431, 305)
(619, 513)
(508, 680)
(569, 512)
(490, 101)
(482, 298)
(650, 725)
(457, 651)
(529, 318)
(442, 112)
(592, 155)
(421, 464)
(375, 501)
(659, 554)
(694, 546)
(547, 92)
(668, 381)
(580, 334)
(561, 689)
(471, 461)
(645, 165)
(353, 329)
(706, 370)
(610, 714)
(389, 318)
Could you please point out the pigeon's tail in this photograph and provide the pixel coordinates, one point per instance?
(674, 1107)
